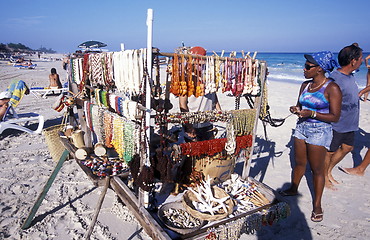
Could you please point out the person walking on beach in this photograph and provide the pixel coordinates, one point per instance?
(360, 169)
(366, 92)
(318, 105)
(54, 79)
(350, 59)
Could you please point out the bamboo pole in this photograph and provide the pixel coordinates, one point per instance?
(257, 106)
(42, 195)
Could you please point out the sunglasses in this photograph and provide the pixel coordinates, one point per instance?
(308, 67)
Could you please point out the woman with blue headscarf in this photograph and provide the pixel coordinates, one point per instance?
(319, 104)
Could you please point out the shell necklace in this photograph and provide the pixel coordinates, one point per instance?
(317, 87)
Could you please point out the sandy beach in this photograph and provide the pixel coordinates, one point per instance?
(68, 208)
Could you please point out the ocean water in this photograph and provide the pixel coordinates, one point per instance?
(289, 67)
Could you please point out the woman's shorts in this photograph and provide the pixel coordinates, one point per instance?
(319, 133)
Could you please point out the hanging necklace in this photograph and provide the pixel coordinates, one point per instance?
(315, 88)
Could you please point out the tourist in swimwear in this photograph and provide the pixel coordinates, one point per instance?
(350, 59)
(4, 103)
(318, 105)
(54, 79)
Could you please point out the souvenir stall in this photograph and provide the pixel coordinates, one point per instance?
(130, 132)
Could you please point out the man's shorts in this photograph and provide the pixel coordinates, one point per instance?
(347, 138)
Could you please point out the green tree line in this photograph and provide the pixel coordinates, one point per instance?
(19, 47)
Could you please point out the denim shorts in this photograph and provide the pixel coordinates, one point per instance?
(314, 133)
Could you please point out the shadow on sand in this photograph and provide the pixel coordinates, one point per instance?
(361, 142)
(294, 226)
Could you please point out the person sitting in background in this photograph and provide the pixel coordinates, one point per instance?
(54, 79)
(20, 60)
(318, 105)
(4, 103)
(27, 64)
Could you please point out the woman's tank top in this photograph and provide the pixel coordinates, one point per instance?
(315, 101)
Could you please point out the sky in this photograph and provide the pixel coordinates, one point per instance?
(230, 25)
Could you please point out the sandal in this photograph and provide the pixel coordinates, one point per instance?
(288, 194)
(317, 217)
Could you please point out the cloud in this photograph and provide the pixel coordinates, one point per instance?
(25, 21)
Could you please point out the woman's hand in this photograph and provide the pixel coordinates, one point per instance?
(304, 113)
(300, 113)
(294, 109)
(367, 61)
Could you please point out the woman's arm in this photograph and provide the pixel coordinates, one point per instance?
(334, 96)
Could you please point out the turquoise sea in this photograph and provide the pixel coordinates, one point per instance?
(289, 67)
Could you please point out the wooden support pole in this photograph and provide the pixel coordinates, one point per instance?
(257, 106)
(42, 195)
(149, 224)
(98, 207)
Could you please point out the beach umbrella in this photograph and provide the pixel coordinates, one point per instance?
(92, 44)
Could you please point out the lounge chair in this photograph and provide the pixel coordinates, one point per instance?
(43, 92)
(12, 120)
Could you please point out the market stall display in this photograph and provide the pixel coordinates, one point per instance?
(134, 134)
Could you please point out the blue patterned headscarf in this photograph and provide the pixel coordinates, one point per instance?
(324, 59)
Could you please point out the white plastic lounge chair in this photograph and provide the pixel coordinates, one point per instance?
(43, 92)
(12, 120)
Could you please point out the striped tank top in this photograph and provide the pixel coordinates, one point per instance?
(315, 101)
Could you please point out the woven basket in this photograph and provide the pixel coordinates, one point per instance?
(189, 197)
(55, 146)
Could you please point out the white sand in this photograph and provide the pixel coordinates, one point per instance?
(66, 212)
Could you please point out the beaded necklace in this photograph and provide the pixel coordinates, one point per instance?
(97, 96)
(175, 81)
(118, 135)
(130, 138)
(189, 76)
(118, 71)
(95, 69)
(248, 77)
(214, 146)
(108, 128)
(183, 79)
(85, 69)
(87, 110)
(108, 69)
(218, 73)
(243, 121)
(193, 117)
(264, 103)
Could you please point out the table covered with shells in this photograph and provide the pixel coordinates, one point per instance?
(222, 211)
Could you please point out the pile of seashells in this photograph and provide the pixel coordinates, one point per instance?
(206, 201)
(180, 218)
(244, 193)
